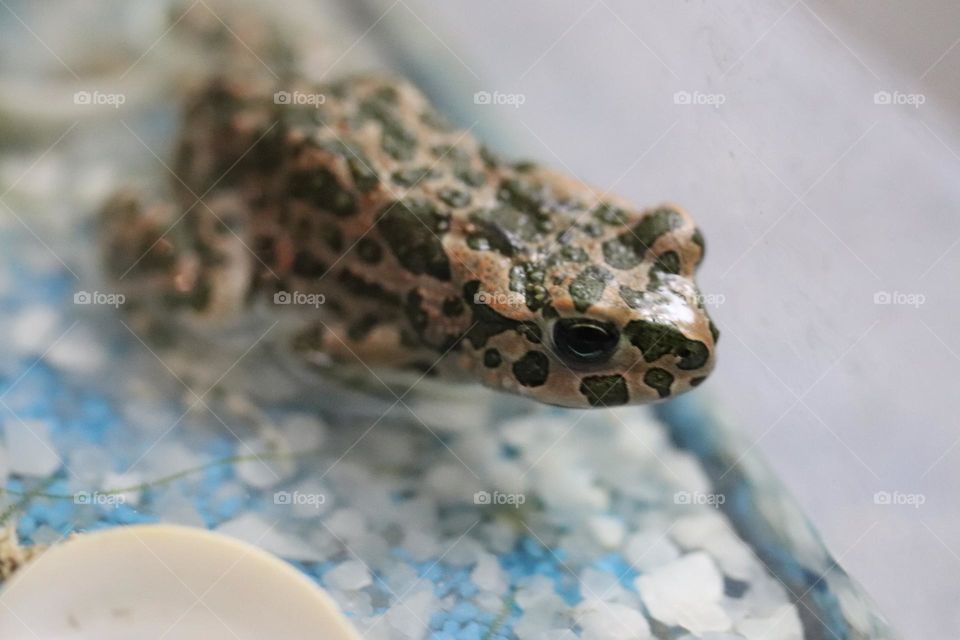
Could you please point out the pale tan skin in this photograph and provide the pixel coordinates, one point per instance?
(431, 254)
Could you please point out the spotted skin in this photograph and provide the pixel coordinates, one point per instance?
(430, 252)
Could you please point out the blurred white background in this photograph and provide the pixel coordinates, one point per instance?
(814, 196)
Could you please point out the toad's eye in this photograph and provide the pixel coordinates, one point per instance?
(585, 341)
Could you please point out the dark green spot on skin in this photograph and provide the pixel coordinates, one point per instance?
(436, 121)
(588, 286)
(698, 240)
(306, 265)
(632, 297)
(618, 255)
(634, 244)
(322, 189)
(470, 177)
(478, 242)
(361, 328)
(369, 251)
(490, 160)
(605, 391)
(592, 229)
(410, 229)
(364, 177)
(427, 369)
(418, 318)
(454, 197)
(411, 177)
(265, 248)
(453, 307)
(714, 332)
(506, 229)
(486, 322)
(387, 94)
(395, 140)
(452, 153)
(491, 358)
(529, 199)
(450, 343)
(669, 262)
(532, 369)
(657, 340)
(696, 382)
(549, 313)
(359, 287)
(531, 331)
(609, 214)
(333, 237)
(567, 253)
(199, 298)
(659, 379)
(520, 195)
(310, 339)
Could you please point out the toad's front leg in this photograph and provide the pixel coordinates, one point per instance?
(174, 264)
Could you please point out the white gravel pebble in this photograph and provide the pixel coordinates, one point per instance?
(33, 330)
(254, 529)
(79, 351)
(113, 481)
(421, 545)
(89, 463)
(30, 450)
(411, 617)
(607, 530)
(462, 552)
(351, 575)
(488, 575)
(646, 550)
(782, 624)
(611, 621)
(686, 592)
(358, 603)
(303, 432)
(346, 524)
(556, 634)
(176, 508)
(600, 585)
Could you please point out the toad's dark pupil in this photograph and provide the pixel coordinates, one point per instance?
(585, 341)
